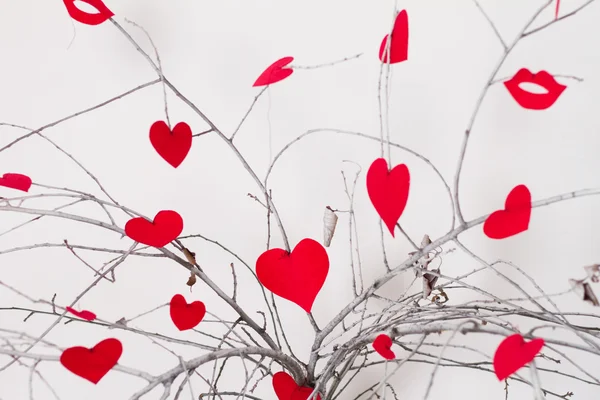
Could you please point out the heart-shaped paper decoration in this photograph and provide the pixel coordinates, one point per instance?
(297, 276)
(16, 181)
(398, 50)
(275, 72)
(83, 314)
(172, 146)
(167, 225)
(383, 345)
(388, 191)
(286, 388)
(186, 316)
(92, 364)
(514, 218)
(86, 18)
(514, 353)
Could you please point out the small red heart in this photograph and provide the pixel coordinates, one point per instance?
(87, 18)
(514, 353)
(275, 72)
(167, 225)
(388, 191)
(297, 276)
(172, 146)
(16, 181)
(383, 345)
(83, 314)
(186, 316)
(514, 218)
(92, 364)
(398, 50)
(286, 388)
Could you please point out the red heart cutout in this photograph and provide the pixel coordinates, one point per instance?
(172, 146)
(514, 353)
(86, 18)
(83, 314)
(167, 225)
(92, 364)
(275, 72)
(186, 316)
(286, 388)
(297, 276)
(398, 50)
(383, 345)
(514, 218)
(16, 181)
(388, 190)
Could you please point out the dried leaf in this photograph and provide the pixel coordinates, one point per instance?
(120, 322)
(426, 241)
(429, 282)
(191, 280)
(584, 291)
(329, 222)
(191, 257)
(593, 272)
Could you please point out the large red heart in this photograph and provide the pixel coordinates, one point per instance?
(186, 316)
(16, 181)
(167, 225)
(172, 146)
(83, 314)
(398, 50)
(286, 388)
(92, 364)
(297, 276)
(514, 353)
(87, 18)
(275, 72)
(383, 345)
(514, 218)
(388, 190)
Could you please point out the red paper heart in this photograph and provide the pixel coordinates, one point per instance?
(86, 18)
(167, 225)
(286, 388)
(383, 345)
(92, 364)
(16, 181)
(297, 276)
(83, 314)
(398, 50)
(514, 218)
(388, 191)
(186, 316)
(172, 146)
(514, 353)
(275, 72)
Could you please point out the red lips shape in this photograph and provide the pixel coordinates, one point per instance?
(86, 18)
(173, 146)
(167, 225)
(398, 50)
(275, 72)
(83, 314)
(514, 353)
(16, 181)
(286, 388)
(534, 101)
(186, 316)
(92, 364)
(383, 345)
(514, 218)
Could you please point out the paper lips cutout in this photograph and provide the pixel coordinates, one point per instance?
(514, 218)
(86, 18)
(92, 364)
(186, 316)
(534, 101)
(398, 50)
(383, 345)
(16, 181)
(275, 72)
(297, 276)
(286, 388)
(172, 146)
(388, 191)
(514, 353)
(83, 314)
(167, 225)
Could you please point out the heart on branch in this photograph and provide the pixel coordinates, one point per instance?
(186, 316)
(275, 72)
(16, 181)
(398, 50)
(514, 353)
(383, 345)
(92, 364)
(388, 191)
(167, 225)
(83, 314)
(286, 388)
(88, 18)
(297, 276)
(172, 145)
(514, 218)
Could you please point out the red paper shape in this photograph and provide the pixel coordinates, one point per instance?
(383, 345)
(398, 50)
(172, 146)
(83, 314)
(514, 218)
(297, 276)
(16, 181)
(275, 72)
(167, 225)
(534, 101)
(86, 18)
(514, 353)
(286, 388)
(556, 11)
(92, 364)
(388, 191)
(186, 316)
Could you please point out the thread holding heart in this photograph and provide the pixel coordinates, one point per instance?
(173, 145)
(92, 364)
(166, 227)
(513, 353)
(186, 316)
(514, 218)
